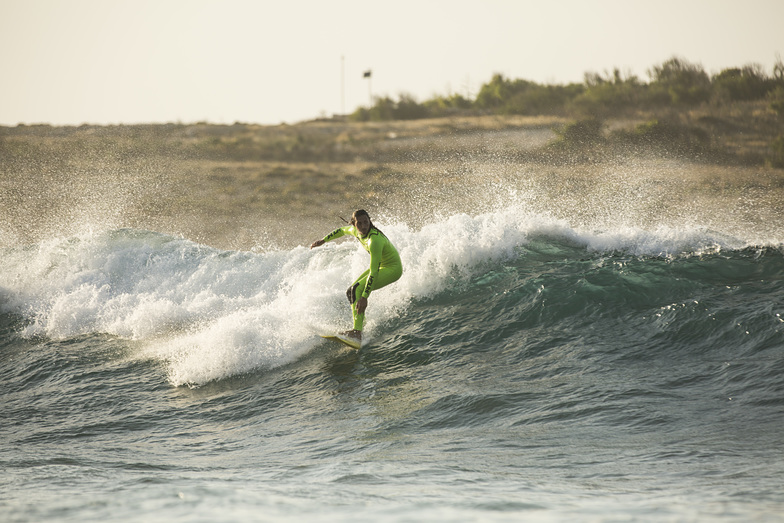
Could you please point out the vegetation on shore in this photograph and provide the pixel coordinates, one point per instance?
(677, 90)
(223, 184)
(675, 83)
(733, 117)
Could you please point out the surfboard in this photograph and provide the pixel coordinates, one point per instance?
(351, 342)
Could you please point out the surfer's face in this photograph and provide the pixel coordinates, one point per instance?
(362, 223)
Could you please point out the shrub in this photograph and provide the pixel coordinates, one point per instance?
(496, 92)
(539, 99)
(443, 106)
(408, 108)
(776, 154)
(747, 83)
(680, 81)
(582, 133)
(776, 98)
(385, 108)
(667, 136)
(605, 95)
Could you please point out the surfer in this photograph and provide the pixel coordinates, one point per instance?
(385, 265)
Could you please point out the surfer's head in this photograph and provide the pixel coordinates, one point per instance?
(361, 220)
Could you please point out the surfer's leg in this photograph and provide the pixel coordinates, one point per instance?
(385, 276)
(353, 293)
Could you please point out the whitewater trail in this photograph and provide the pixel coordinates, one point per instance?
(210, 314)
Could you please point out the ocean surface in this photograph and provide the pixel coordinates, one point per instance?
(525, 368)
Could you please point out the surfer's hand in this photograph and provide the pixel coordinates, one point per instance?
(317, 243)
(361, 305)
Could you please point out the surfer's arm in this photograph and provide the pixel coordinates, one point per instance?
(337, 233)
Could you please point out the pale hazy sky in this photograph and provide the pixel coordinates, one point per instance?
(68, 62)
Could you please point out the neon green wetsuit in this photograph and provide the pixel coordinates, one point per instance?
(385, 266)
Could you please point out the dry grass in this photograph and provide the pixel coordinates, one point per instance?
(247, 185)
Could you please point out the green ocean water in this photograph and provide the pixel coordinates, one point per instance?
(522, 369)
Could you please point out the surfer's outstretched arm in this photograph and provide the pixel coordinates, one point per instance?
(337, 233)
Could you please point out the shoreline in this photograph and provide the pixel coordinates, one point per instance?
(246, 186)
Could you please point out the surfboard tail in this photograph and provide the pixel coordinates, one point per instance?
(351, 342)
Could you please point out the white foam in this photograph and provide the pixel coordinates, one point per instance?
(208, 314)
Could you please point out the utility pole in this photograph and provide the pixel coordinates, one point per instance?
(342, 85)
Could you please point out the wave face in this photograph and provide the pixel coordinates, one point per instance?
(520, 366)
(212, 314)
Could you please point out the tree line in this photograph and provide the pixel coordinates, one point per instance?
(674, 83)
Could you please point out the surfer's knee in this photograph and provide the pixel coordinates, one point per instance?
(351, 293)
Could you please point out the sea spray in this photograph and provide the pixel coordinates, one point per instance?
(209, 314)
(522, 367)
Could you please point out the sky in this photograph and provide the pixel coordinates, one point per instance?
(73, 62)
